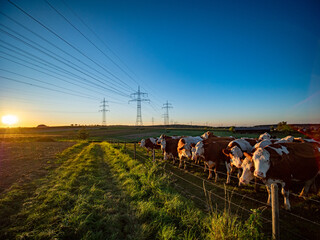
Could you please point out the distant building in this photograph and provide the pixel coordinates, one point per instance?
(42, 126)
(256, 129)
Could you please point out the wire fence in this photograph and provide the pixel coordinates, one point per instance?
(289, 221)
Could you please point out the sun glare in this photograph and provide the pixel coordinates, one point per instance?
(9, 119)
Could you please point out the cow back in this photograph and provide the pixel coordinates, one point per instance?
(301, 162)
(213, 150)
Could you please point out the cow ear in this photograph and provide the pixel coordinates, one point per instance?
(248, 156)
(226, 152)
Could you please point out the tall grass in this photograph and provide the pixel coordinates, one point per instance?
(165, 214)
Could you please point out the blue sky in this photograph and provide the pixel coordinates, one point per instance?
(218, 62)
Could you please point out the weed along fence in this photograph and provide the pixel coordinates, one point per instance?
(302, 222)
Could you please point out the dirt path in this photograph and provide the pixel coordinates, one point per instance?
(21, 162)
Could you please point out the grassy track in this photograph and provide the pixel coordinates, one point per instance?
(100, 192)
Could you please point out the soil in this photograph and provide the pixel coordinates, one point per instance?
(22, 162)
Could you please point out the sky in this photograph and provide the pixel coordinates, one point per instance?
(218, 63)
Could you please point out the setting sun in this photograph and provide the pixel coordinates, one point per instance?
(9, 119)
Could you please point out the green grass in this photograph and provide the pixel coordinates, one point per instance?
(100, 192)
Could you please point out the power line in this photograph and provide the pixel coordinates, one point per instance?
(137, 97)
(90, 41)
(166, 106)
(62, 39)
(39, 86)
(55, 46)
(108, 47)
(51, 84)
(110, 88)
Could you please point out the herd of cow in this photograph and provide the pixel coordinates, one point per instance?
(270, 160)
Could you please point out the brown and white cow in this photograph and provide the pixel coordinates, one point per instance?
(282, 163)
(149, 144)
(235, 151)
(211, 152)
(184, 148)
(163, 138)
(170, 149)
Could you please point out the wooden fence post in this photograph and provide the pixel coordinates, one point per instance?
(134, 153)
(275, 212)
(153, 155)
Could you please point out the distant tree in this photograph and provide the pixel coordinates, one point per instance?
(83, 134)
(283, 126)
(271, 128)
(231, 129)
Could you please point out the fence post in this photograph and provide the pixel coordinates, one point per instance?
(134, 152)
(153, 155)
(275, 212)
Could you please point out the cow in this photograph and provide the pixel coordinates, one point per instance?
(265, 136)
(211, 152)
(207, 135)
(170, 149)
(194, 146)
(149, 144)
(282, 163)
(163, 138)
(235, 151)
(184, 148)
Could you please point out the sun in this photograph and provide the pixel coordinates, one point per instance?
(9, 119)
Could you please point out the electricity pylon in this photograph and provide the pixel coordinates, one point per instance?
(139, 97)
(104, 110)
(166, 106)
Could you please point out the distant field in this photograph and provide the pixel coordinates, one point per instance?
(116, 133)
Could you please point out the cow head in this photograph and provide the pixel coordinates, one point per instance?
(162, 144)
(197, 151)
(247, 170)
(183, 149)
(207, 135)
(142, 143)
(235, 154)
(265, 136)
(162, 137)
(261, 160)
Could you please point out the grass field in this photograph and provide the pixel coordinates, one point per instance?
(100, 192)
(61, 189)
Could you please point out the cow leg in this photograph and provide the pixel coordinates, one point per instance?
(285, 194)
(306, 188)
(205, 167)
(228, 172)
(210, 172)
(268, 187)
(215, 174)
(180, 162)
(185, 163)
(239, 173)
(173, 160)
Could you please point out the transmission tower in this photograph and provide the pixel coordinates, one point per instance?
(139, 97)
(166, 106)
(104, 110)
